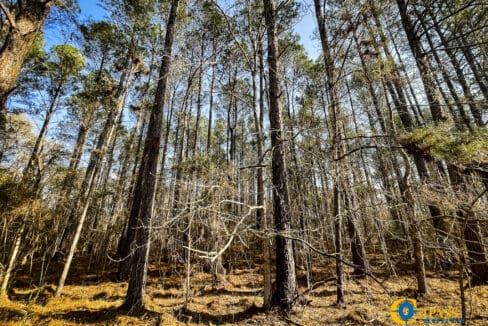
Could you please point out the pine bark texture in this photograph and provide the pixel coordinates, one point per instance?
(141, 211)
(19, 40)
(286, 286)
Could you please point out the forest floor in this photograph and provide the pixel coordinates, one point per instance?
(91, 299)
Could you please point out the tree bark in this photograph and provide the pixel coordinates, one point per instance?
(199, 97)
(286, 286)
(258, 109)
(472, 234)
(475, 110)
(211, 102)
(93, 170)
(422, 62)
(23, 30)
(447, 79)
(146, 181)
(37, 150)
(418, 252)
(470, 59)
(12, 258)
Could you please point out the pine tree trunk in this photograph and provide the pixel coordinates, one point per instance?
(475, 110)
(92, 172)
(23, 31)
(357, 248)
(211, 102)
(422, 62)
(337, 216)
(470, 59)
(146, 181)
(12, 259)
(258, 109)
(286, 286)
(418, 252)
(199, 97)
(336, 132)
(37, 150)
(473, 237)
(447, 80)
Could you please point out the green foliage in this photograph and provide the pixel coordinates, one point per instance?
(203, 164)
(16, 137)
(96, 91)
(67, 5)
(287, 15)
(12, 192)
(214, 21)
(99, 35)
(36, 52)
(445, 143)
(67, 61)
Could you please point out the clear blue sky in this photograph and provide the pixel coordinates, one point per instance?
(90, 8)
(305, 27)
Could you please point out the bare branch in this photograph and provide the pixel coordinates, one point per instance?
(8, 14)
(213, 255)
(336, 257)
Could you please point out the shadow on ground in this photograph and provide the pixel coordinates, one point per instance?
(101, 317)
(187, 315)
(238, 293)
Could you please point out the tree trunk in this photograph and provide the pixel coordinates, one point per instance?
(123, 246)
(36, 151)
(286, 287)
(475, 110)
(478, 75)
(473, 237)
(418, 252)
(357, 248)
(422, 62)
(337, 216)
(447, 80)
(93, 170)
(12, 259)
(258, 109)
(146, 181)
(337, 133)
(199, 98)
(23, 31)
(211, 101)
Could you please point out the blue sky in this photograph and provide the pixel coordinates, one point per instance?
(91, 8)
(305, 26)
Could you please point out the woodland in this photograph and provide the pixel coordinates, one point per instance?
(186, 162)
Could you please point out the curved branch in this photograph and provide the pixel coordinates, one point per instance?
(336, 257)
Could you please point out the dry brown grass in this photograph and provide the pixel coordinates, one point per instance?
(234, 301)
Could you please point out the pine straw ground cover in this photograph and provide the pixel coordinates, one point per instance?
(93, 300)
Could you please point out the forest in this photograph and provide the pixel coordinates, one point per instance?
(207, 162)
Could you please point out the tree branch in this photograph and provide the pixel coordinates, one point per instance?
(8, 14)
(336, 257)
(365, 147)
(212, 255)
